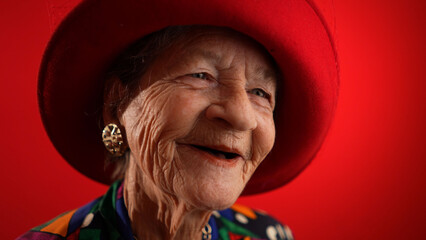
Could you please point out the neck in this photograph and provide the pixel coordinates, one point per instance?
(155, 214)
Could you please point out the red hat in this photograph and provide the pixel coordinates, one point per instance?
(71, 78)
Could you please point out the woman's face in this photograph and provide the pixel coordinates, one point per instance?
(203, 120)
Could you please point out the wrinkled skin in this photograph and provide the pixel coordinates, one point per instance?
(215, 89)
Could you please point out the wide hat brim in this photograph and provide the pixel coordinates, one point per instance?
(85, 44)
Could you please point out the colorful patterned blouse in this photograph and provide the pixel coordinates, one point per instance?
(106, 218)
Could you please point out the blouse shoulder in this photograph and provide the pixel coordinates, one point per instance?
(244, 221)
(65, 226)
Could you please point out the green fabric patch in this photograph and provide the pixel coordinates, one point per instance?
(234, 228)
(107, 203)
(89, 234)
(107, 208)
(223, 234)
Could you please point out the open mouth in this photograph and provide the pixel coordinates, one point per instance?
(217, 153)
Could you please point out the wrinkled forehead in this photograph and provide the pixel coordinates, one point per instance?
(215, 44)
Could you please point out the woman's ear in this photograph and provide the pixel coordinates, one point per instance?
(114, 97)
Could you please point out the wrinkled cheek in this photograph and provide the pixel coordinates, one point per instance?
(145, 121)
(263, 142)
(267, 138)
(178, 118)
(248, 169)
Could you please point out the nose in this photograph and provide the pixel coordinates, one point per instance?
(234, 109)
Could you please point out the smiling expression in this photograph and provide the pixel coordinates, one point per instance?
(203, 120)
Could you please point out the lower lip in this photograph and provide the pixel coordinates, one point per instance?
(221, 162)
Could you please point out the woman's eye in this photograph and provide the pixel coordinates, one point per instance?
(200, 75)
(259, 92)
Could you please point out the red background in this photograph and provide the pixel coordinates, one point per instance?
(367, 182)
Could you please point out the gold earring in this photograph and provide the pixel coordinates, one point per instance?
(113, 140)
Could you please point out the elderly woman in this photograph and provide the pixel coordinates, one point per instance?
(191, 97)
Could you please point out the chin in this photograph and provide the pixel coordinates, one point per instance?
(218, 202)
(208, 183)
(214, 196)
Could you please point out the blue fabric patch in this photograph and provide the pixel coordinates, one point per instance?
(228, 214)
(79, 215)
(123, 220)
(215, 232)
